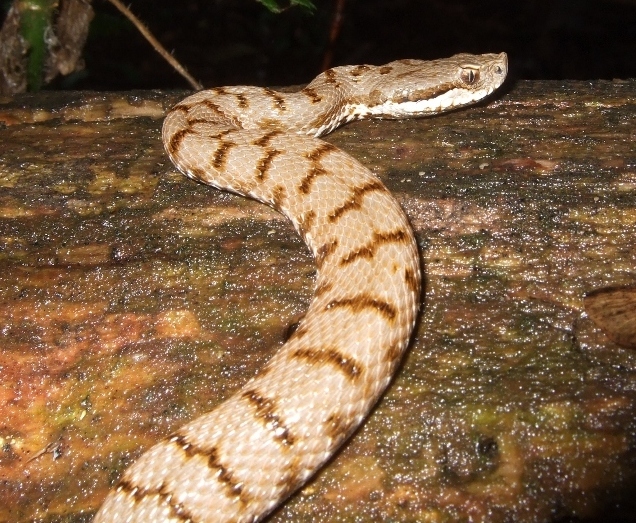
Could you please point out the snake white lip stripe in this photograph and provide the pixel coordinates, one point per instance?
(239, 461)
(448, 99)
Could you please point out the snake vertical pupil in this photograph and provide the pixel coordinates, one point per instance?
(470, 76)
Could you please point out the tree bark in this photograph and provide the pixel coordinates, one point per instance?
(133, 299)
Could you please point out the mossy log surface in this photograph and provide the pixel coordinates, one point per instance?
(133, 299)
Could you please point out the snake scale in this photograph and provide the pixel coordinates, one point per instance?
(239, 461)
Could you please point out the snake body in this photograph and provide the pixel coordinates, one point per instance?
(239, 461)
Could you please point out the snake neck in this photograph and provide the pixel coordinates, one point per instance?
(400, 89)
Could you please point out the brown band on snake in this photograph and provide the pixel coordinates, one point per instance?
(220, 155)
(219, 90)
(315, 169)
(331, 78)
(359, 70)
(365, 302)
(265, 140)
(333, 357)
(176, 139)
(325, 250)
(314, 172)
(411, 280)
(266, 411)
(313, 96)
(211, 458)
(323, 288)
(379, 238)
(180, 108)
(338, 426)
(265, 163)
(243, 101)
(279, 101)
(307, 220)
(279, 195)
(214, 108)
(355, 201)
(177, 510)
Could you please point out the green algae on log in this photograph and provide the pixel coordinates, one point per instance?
(132, 299)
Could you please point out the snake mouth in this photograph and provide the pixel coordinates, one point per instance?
(445, 100)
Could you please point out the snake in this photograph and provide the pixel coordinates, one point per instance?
(238, 462)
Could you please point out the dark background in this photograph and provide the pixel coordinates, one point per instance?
(224, 42)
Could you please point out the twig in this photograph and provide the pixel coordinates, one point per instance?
(155, 43)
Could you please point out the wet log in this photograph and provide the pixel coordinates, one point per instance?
(133, 299)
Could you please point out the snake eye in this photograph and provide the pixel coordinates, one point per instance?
(469, 75)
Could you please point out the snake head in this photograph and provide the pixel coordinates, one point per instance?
(407, 88)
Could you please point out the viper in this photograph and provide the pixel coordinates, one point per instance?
(239, 461)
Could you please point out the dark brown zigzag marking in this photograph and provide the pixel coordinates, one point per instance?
(412, 282)
(225, 476)
(323, 288)
(265, 163)
(347, 365)
(220, 155)
(221, 134)
(355, 201)
(279, 100)
(180, 107)
(316, 169)
(214, 108)
(305, 184)
(197, 173)
(264, 140)
(177, 510)
(394, 352)
(193, 121)
(326, 249)
(320, 151)
(313, 96)
(364, 301)
(215, 136)
(330, 77)
(306, 221)
(369, 250)
(265, 410)
(359, 70)
(176, 139)
(279, 195)
(243, 101)
(338, 426)
(271, 124)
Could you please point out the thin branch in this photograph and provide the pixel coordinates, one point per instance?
(155, 43)
(336, 25)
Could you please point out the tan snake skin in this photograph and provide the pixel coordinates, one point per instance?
(238, 462)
